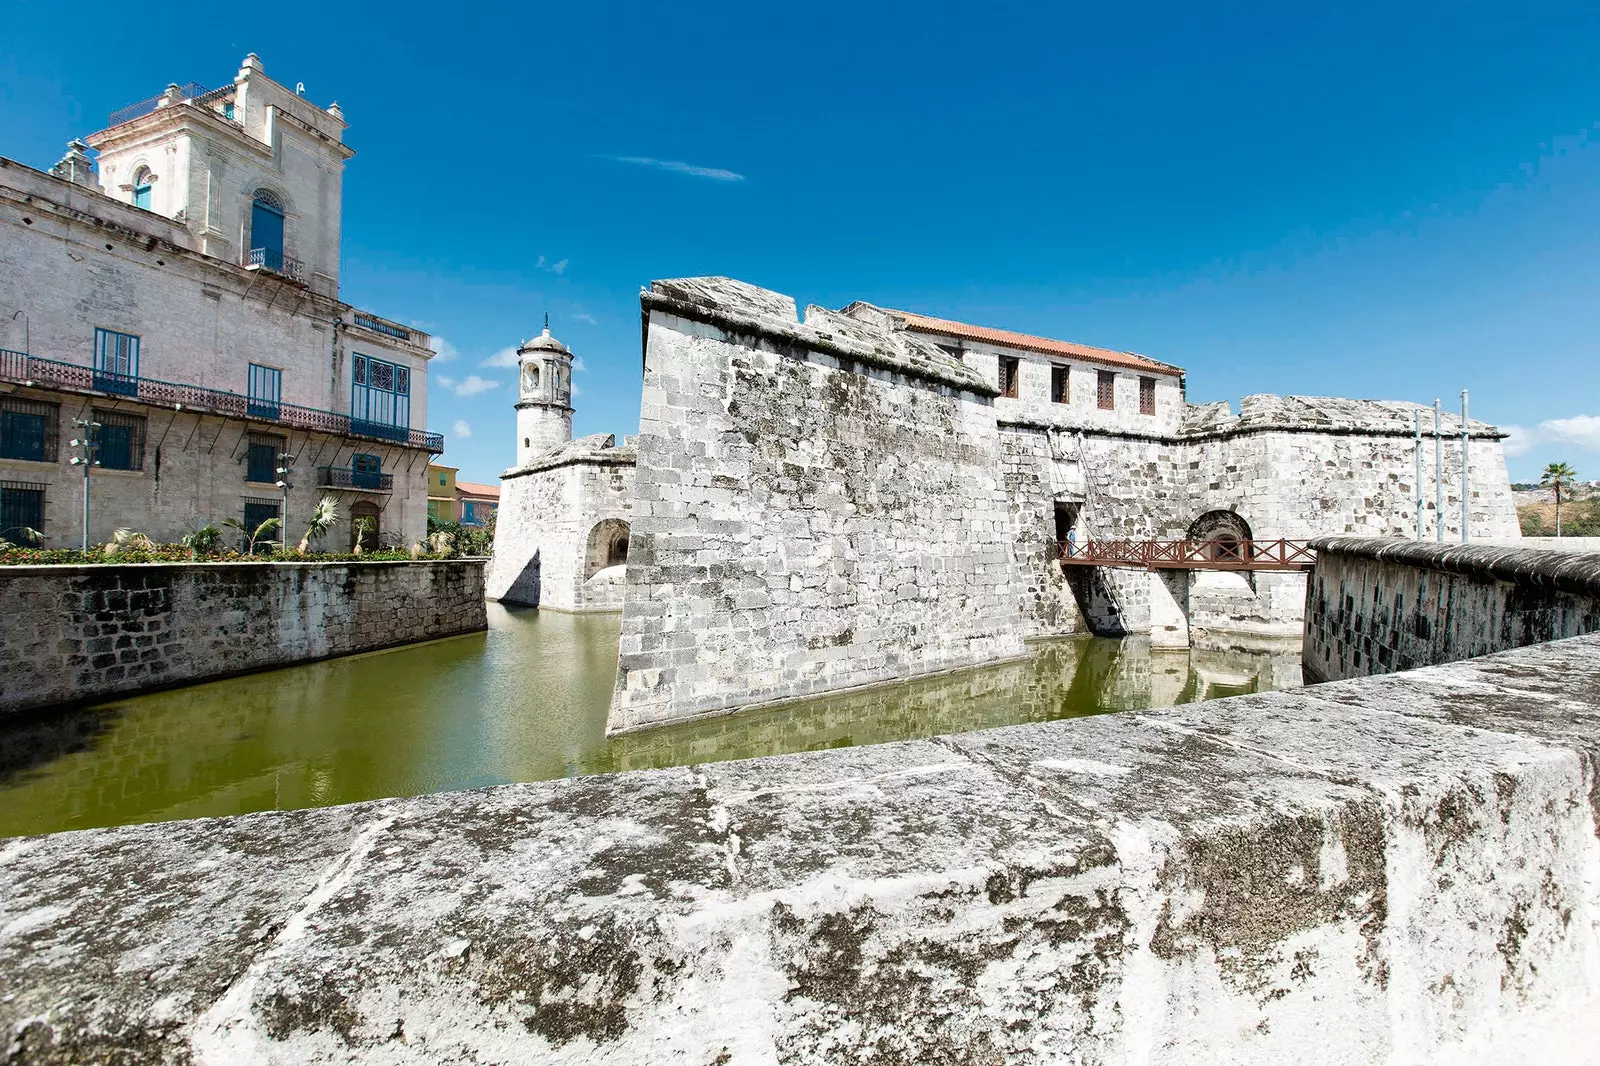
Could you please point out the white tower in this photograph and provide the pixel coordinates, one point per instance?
(544, 407)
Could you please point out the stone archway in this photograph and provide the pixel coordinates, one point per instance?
(607, 546)
(1228, 532)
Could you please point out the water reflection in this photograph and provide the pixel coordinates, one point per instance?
(524, 702)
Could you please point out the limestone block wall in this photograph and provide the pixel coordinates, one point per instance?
(70, 633)
(1392, 870)
(1379, 606)
(818, 506)
(545, 526)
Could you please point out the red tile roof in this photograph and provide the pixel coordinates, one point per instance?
(1008, 339)
(472, 488)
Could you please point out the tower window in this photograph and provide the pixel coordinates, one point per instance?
(266, 231)
(141, 188)
(1060, 385)
(1009, 373)
(1147, 396)
(1106, 390)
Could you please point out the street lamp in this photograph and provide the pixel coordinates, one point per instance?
(285, 468)
(89, 446)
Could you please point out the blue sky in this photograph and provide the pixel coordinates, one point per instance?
(1355, 202)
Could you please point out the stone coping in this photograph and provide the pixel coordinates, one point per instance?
(91, 568)
(729, 305)
(1394, 869)
(1564, 571)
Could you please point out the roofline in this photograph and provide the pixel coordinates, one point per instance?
(911, 320)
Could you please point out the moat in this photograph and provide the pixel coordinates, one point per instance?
(525, 701)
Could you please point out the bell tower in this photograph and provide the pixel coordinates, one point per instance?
(544, 403)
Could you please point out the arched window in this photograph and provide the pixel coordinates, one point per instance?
(266, 230)
(364, 526)
(530, 378)
(1226, 533)
(141, 188)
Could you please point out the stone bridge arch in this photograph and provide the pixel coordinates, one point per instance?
(607, 546)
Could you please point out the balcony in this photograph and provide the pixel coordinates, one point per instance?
(382, 325)
(50, 373)
(275, 262)
(342, 477)
(190, 91)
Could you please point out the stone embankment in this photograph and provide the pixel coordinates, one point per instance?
(70, 633)
(1378, 606)
(1383, 870)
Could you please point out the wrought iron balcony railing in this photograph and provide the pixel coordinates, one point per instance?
(51, 373)
(378, 325)
(276, 262)
(127, 114)
(342, 477)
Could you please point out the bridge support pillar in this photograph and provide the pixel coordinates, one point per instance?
(1169, 608)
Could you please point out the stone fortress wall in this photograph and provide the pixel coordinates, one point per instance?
(557, 528)
(1378, 606)
(817, 506)
(765, 440)
(70, 633)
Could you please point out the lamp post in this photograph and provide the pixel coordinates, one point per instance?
(89, 448)
(285, 468)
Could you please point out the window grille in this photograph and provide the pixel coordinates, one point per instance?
(121, 440)
(380, 398)
(1106, 389)
(1060, 385)
(358, 370)
(21, 512)
(256, 512)
(1147, 396)
(1009, 374)
(261, 463)
(29, 430)
(381, 375)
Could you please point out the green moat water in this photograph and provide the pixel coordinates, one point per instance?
(525, 701)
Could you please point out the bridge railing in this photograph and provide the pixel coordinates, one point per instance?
(1226, 553)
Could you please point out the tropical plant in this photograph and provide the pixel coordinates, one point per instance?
(262, 534)
(28, 535)
(126, 540)
(441, 543)
(323, 517)
(1556, 477)
(359, 528)
(203, 540)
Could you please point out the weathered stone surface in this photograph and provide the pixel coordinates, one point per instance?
(1376, 606)
(81, 632)
(1396, 870)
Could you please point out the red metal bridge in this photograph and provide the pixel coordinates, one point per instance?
(1224, 553)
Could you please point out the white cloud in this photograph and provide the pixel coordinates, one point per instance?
(1520, 441)
(558, 267)
(575, 390)
(443, 350)
(584, 316)
(505, 358)
(578, 365)
(713, 173)
(445, 380)
(1580, 431)
(461, 428)
(474, 385)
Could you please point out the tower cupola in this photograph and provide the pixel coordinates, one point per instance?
(544, 402)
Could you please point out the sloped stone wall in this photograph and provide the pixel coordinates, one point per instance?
(815, 509)
(70, 633)
(1380, 606)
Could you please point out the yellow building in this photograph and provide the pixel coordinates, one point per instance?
(442, 492)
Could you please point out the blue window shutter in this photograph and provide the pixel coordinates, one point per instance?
(141, 196)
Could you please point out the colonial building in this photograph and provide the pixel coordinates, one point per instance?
(453, 500)
(176, 303)
(561, 536)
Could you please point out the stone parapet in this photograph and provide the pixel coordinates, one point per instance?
(74, 633)
(1382, 870)
(1374, 606)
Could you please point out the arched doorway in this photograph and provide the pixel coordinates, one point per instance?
(608, 546)
(364, 524)
(1228, 533)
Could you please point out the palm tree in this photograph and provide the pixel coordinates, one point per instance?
(202, 540)
(126, 540)
(359, 528)
(1558, 476)
(261, 533)
(323, 516)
